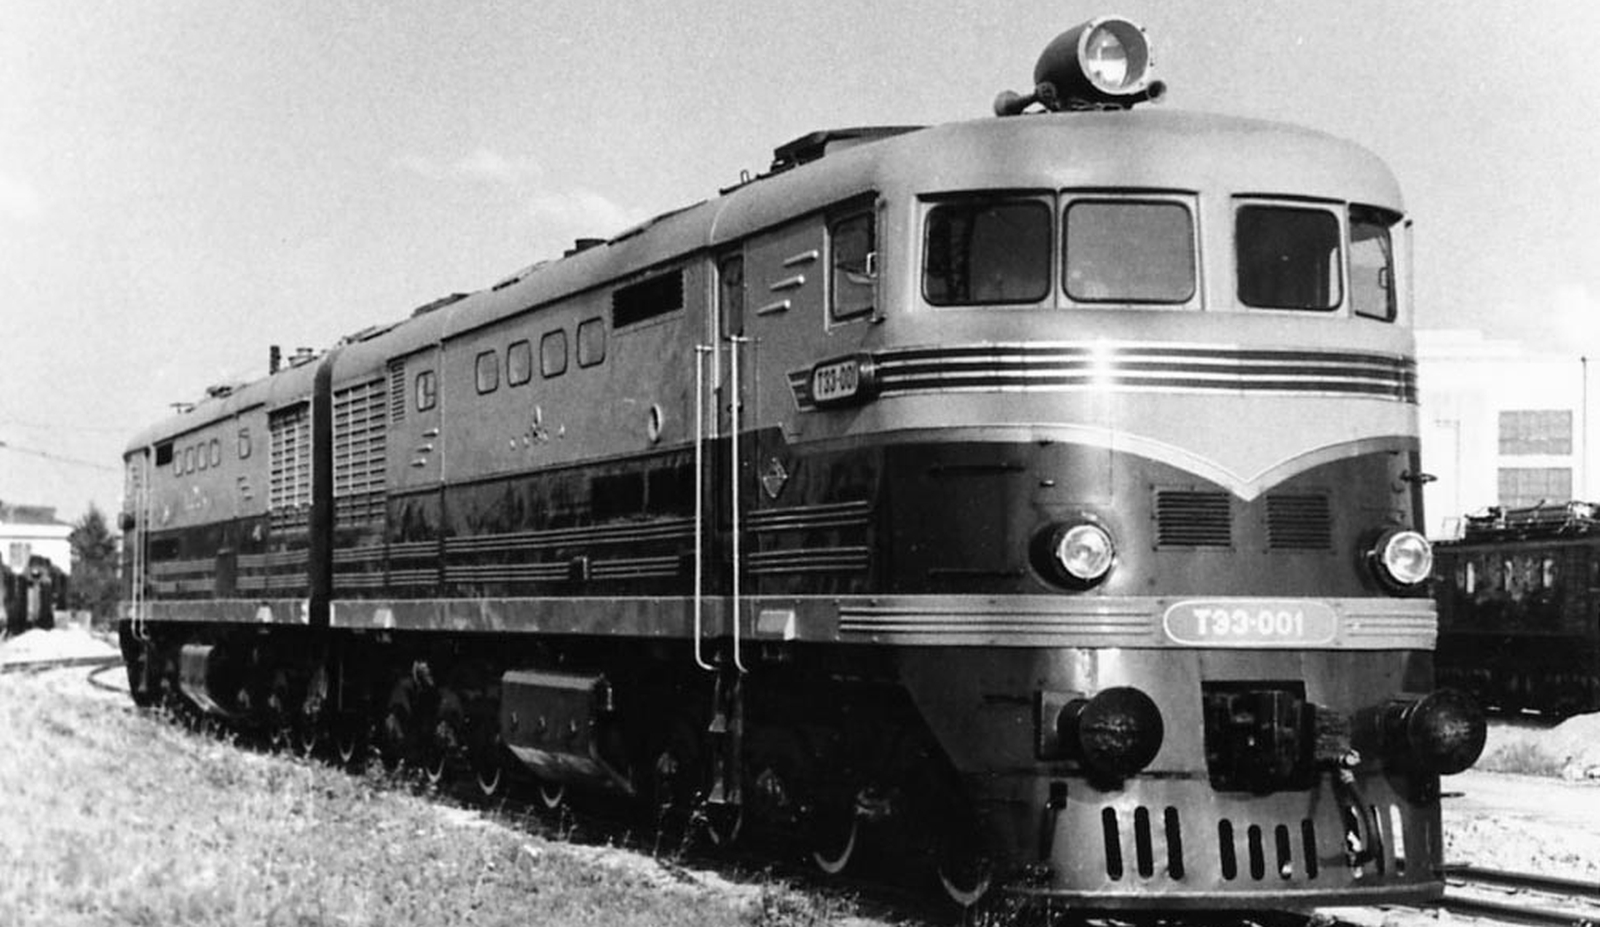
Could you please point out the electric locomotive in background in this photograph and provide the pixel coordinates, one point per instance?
(1034, 496)
(1519, 608)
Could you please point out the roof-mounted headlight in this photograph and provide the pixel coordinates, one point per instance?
(1103, 63)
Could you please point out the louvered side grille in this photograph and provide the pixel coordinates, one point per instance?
(1299, 522)
(1193, 519)
(359, 455)
(397, 391)
(289, 489)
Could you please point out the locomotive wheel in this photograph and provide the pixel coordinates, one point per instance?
(833, 836)
(964, 875)
(350, 740)
(491, 781)
(552, 796)
(392, 741)
(723, 822)
(964, 872)
(488, 759)
(439, 747)
(670, 788)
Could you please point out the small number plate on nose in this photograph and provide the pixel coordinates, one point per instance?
(836, 381)
(1251, 622)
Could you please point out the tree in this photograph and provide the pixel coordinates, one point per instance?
(94, 567)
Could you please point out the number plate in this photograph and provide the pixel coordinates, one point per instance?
(836, 381)
(1251, 623)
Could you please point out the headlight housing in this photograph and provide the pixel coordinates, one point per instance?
(1079, 555)
(1402, 559)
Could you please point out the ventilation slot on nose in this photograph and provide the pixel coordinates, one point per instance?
(1299, 522)
(1193, 519)
(1174, 844)
(1113, 833)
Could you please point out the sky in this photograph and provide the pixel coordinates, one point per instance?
(184, 182)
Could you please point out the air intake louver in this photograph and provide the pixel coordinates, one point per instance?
(1193, 519)
(397, 391)
(1299, 523)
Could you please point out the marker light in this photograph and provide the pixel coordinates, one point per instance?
(1085, 551)
(1116, 733)
(1403, 558)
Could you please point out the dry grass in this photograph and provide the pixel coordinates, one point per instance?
(110, 816)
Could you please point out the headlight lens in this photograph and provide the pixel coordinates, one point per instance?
(1405, 557)
(1085, 552)
(1105, 60)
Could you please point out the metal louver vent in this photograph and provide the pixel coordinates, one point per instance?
(359, 451)
(1193, 519)
(397, 391)
(1299, 522)
(289, 488)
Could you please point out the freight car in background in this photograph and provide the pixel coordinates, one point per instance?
(1519, 608)
(1032, 497)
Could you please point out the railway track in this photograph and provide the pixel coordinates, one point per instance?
(1521, 898)
(1488, 894)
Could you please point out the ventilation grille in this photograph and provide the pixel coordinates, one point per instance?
(358, 452)
(1193, 519)
(397, 391)
(289, 491)
(1302, 522)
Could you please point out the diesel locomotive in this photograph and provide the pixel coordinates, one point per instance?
(1032, 499)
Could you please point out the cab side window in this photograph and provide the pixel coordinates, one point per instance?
(852, 244)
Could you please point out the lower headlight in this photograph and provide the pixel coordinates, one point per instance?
(1404, 558)
(1116, 733)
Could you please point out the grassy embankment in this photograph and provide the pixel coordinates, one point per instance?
(110, 816)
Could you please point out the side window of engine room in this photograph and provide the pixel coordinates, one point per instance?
(1288, 257)
(986, 251)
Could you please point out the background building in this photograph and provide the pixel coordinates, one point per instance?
(1502, 425)
(33, 531)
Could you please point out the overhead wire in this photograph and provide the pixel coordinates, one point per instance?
(58, 458)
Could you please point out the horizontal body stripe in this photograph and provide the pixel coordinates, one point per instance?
(926, 621)
(1006, 368)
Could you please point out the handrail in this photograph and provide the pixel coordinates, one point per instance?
(141, 559)
(736, 518)
(700, 352)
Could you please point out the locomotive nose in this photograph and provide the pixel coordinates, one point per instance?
(1443, 732)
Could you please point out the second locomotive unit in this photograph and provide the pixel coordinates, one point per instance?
(1033, 497)
(1519, 608)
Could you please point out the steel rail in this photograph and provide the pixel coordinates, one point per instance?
(1523, 911)
(1580, 888)
(40, 666)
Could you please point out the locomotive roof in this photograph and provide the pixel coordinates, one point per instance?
(1148, 148)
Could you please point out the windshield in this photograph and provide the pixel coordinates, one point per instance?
(987, 251)
(1288, 257)
(1129, 252)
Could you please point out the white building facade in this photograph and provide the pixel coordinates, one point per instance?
(1502, 425)
(33, 531)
